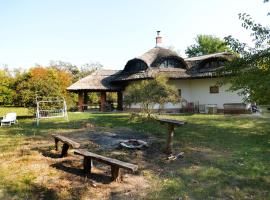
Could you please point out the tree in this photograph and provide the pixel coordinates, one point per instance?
(88, 68)
(66, 66)
(42, 82)
(206, 44)
(6, 88)
(147, 93)
(251, 70)
(76, 72)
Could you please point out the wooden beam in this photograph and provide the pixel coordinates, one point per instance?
(115, 170)
(87, 165)
(80, 101)
(170, 139)
(119, 100)
(56, 144)
(103, 101)
(64, 150)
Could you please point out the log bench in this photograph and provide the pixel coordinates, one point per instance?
(114, 163)
(235, 108)
(67, 143)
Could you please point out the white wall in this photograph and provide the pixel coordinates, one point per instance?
(198, 90)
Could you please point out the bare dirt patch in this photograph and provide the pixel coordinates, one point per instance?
(65, 175)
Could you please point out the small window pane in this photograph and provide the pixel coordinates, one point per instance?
(180, 93)
(214, 89)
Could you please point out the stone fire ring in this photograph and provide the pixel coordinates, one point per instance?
(133, 144)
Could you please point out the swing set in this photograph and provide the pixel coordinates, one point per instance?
(51, 107)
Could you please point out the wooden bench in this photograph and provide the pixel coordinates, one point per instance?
(114, 163)
(235, 108)
(66, 144)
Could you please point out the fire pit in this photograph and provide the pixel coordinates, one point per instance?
(133, 144)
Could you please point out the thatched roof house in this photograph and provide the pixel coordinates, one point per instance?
(158, 60)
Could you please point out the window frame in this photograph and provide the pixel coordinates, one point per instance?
(214, 89)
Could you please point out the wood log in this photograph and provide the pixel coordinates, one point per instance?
(87, 165)
(64, 150)
(170, 139)
(115, 170)
(56, 144)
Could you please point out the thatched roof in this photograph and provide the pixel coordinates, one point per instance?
(197, 60)
(113, 80)
(99, 80)
(195, 66)
(152, 56)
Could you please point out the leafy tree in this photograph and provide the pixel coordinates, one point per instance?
(87, 68)
(251, 71)
(42, 82)
(75, 71)
(6, 88)
(66, 66)
(206, 44)
(147, 93)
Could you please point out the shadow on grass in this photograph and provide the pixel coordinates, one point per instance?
(69, 167)
(32, 191)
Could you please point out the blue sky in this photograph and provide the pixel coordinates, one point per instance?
(112, 32)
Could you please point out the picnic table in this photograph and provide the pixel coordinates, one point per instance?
(171, 126)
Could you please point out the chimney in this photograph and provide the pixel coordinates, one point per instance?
(158, 39)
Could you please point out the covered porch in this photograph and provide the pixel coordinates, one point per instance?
(98, 82)
(103, 103)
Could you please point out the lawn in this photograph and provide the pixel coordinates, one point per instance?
(226, 157)
(21, 112)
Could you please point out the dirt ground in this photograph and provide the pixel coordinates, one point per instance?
(65, 177)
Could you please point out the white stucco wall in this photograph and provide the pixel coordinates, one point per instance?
(198, 90)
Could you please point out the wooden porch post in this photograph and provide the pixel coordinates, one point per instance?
(102, 101)
(80, 101)
(119, 100)
(85, 99)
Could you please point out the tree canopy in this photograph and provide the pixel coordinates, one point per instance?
(251, 70)
(147, 93)
(206, 44)
(20, 87)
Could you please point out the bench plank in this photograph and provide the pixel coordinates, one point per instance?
(66, 140)
(66, 144)
(109, 161)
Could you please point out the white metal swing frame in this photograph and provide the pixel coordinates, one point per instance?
(51, 113)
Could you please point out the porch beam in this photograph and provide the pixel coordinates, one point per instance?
(119, 100)
(80, 101)
(102, 101)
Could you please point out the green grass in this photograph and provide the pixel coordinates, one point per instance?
(226, 157)
(19, 110)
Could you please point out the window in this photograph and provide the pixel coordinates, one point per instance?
(135, 66)
(214, 89)
(170, 63)
(180, 93)
(139, 66)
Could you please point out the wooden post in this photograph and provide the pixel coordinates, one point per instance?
(80, 101)
(56, 144)
(87, 165)
(170, 139)
(85, 99)
(102, 101)
(119, 100)
(115, 173)
(64, 150)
